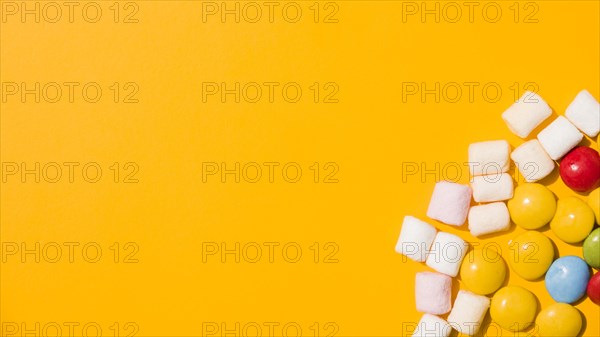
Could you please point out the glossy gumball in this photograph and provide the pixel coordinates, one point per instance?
(573, 220)
(580, 169)
(593, 288)
(591, 249)
(532, 206)
(559, 320)
(513, 308)
(483, 271)
(567, 279)
(531, 254)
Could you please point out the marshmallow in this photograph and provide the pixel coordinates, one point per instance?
(432, 326)
(450, 203)
(492, 188)
(489, 218)
(447, 253)
(526, 114)
(584, 113)
(433, 293)
(489, 157)
(533, 162)
(468, 312)
(559, 137)
(415, 239)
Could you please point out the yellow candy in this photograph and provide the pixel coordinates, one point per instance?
(594, 203)
(483, 271)
(559, 320)
(513, 308)
(531, 254)
(573, 220)
(532, 206)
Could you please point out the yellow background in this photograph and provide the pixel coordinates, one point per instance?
(170, 212)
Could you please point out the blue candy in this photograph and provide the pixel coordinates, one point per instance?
(567, 279)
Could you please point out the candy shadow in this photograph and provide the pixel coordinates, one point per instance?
(510, 230)
(545, 123)
(551, 178)
(485, 325)
(585, 142)
(583, 324)
(581, 300)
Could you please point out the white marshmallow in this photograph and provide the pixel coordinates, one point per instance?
(526, 114)
(433, 293)
(488, 218)
(489, 157)
(450, 203)
(584, 113)
(432, 326)
(492, 187)
(468, 312)
(447, 253)
(559, 137)
(533, 162)
(415, 239)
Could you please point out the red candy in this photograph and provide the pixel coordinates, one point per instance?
(593, 288)
(580, 169)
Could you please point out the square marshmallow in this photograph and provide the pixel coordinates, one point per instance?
(468, 312)
(559, 137)
(492, 188)
(533, 162)
(584, 113)
(489, 157)
(432, 326)
(489, 218)
(447, 253)
(450, 203)
(433, 293)
(526, 114)
(415, 239)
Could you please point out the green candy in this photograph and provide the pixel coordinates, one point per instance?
(591, 249)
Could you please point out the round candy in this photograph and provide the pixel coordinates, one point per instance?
(513, 308)
(593, 288)
(532, 206)
(559, 320)
(594, 203)
(532, 254)
(580, 169)
(591, 249)
(573, 220)
(567, 279)
(483, 271)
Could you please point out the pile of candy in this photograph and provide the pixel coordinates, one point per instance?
(531, 206)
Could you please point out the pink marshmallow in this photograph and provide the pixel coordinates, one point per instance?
(450, 203)
(433, 293)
